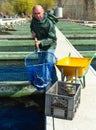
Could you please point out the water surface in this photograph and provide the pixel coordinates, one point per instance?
(22, 113)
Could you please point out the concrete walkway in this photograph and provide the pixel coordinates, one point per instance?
(85, 116)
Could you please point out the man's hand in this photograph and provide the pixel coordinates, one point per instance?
(37, 43)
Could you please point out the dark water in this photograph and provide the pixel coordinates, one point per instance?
(22, 113)
(25, 113)
(94, 66)
(13, 73)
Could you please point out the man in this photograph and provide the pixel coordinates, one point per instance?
(43, 32)
(43, 29)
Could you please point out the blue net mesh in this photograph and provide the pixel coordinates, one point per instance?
(39, 67)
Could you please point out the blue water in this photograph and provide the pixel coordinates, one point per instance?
(22, 114)
(25, 113)
(94, 66)
(16, 73)
(13, 73)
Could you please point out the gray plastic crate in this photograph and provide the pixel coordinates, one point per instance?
(60, 103)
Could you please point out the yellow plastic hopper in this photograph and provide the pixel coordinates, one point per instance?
(73, 66)
(70, 64)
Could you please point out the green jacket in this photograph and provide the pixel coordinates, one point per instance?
(45, 31)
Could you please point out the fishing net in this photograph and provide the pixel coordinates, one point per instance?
(39, 67)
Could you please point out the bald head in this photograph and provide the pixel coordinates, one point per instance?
(37, 7)
(38, 12)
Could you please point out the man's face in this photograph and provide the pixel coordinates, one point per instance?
(38, 13)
